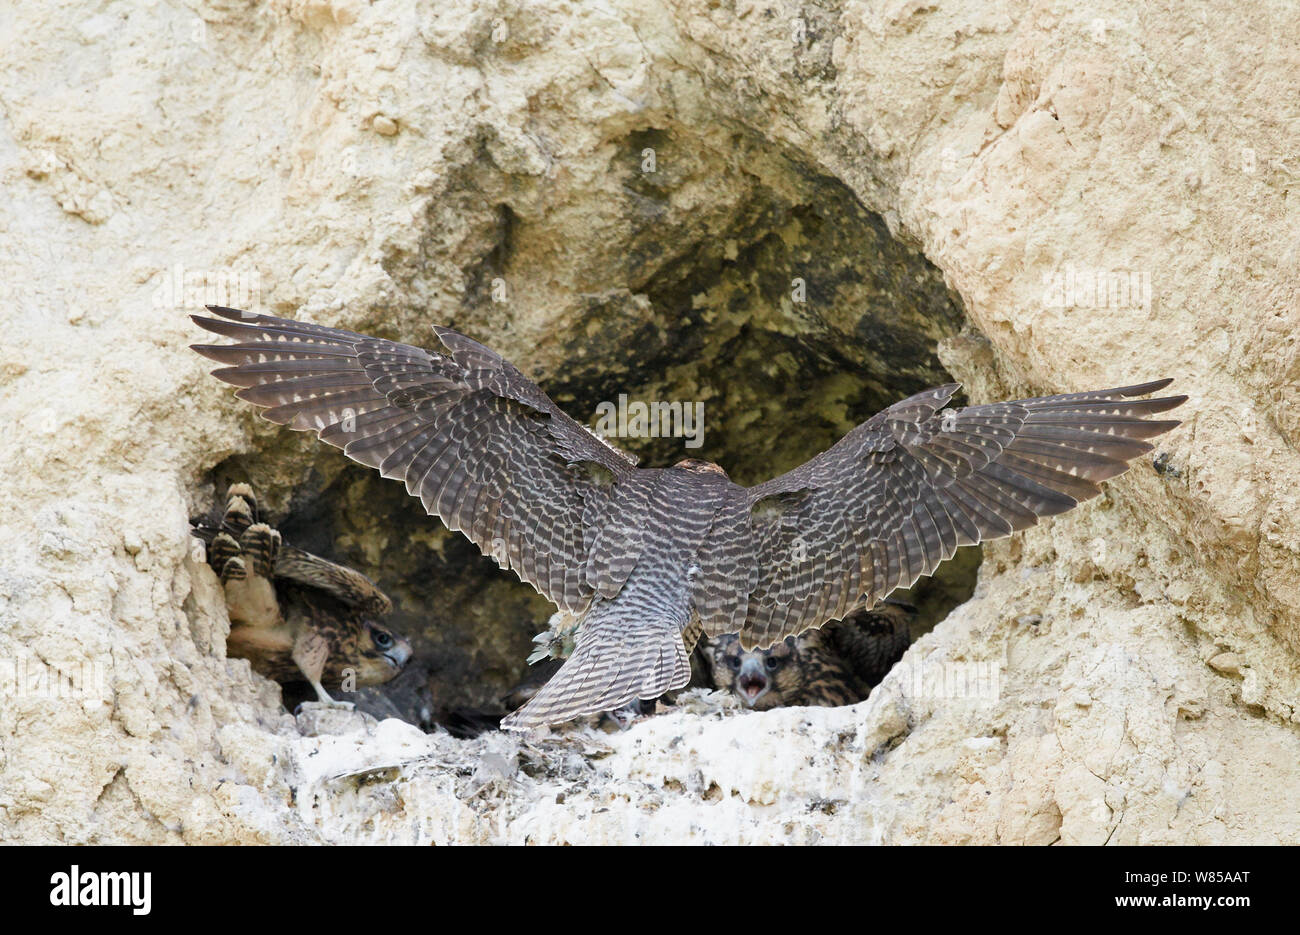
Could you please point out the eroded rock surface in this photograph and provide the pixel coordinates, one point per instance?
(947, 182)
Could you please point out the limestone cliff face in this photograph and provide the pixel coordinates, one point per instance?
(790, 212)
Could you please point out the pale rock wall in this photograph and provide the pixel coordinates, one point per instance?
(355, 157)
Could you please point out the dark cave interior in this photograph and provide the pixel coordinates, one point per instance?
(801, 319)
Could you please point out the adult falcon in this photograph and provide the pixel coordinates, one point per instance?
(648, 559)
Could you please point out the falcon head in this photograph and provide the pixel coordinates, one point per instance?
(697, 466)
(381, 652)
(760, 678)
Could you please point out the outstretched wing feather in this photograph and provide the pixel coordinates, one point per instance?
(901, 492)
(481, 446)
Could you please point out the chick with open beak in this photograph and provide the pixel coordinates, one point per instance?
(836, 665)
(760, 678)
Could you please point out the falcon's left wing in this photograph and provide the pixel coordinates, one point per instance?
(478, 442)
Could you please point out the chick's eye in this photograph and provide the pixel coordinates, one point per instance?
(733, 662)
(772, 662)
(382, 639)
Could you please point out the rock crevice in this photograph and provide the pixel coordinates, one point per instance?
(790, 213)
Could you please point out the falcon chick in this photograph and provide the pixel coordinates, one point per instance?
(296, 616)
(649, 558)
(836, 665)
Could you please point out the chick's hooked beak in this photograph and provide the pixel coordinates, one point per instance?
(752, 680)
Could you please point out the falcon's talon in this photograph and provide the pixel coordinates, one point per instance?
(612, 542)
(541, 654)
(556, 641)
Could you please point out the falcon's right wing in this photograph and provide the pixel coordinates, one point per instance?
(481, 445)
(898, 494)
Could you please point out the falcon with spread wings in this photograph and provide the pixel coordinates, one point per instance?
(648, 559)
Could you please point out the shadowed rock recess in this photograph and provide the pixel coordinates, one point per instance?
(791, 214)
(787, 313)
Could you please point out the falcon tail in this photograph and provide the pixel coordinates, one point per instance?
(614, 661)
